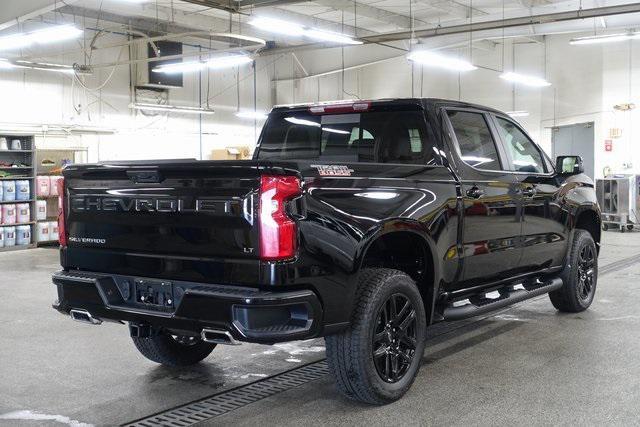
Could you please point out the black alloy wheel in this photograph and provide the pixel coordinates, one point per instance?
(586, 271)
(394, 338)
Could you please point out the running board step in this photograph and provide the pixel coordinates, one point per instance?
(485, 303)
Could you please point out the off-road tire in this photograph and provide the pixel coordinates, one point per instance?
(568, 298)
(163, 348)
(350, 353)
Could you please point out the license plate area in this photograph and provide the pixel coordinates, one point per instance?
(154, 294)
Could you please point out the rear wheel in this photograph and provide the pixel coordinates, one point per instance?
(173, 350)
(377, 359)
(580, 276)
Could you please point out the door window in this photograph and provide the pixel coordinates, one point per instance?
(524, 156)
(477, 147)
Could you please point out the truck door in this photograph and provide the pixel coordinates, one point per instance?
(492, 210)
(544, 225)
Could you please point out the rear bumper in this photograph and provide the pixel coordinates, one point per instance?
(248, 314)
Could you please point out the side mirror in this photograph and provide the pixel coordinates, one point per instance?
(569, 165)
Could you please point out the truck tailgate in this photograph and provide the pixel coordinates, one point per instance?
(179, 208)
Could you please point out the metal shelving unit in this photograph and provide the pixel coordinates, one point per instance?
(25, 156)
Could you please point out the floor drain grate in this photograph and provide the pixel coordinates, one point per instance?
(210, 407)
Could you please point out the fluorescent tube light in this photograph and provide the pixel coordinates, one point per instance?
(525, 79)
(432, 59)
(328, 36)
(180, 67)
(277, 26)
(254, 115)
(519, 113)
(604, 38)
(170, 108)
(45, 36)
(215, 63)
(43, 66)
(228, 61)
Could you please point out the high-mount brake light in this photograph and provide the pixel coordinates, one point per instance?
(278, 237)
(62, 229)
(340, 108)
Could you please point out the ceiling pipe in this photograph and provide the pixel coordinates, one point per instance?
(476, 27)
(505, 23)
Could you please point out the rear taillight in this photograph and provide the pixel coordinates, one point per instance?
(278, 239)
(62, 231)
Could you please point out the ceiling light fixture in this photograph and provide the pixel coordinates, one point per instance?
(291, 29)
(45, 36)
(432, 59)
(519, 113)
(277, 26)
(9, 64)
(254, 115)
(524, 79)
(170, 108)
(214, 63)
(604, 38)
(180, 67)
(228, 61)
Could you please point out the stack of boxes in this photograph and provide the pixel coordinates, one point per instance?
(15, 218)
(47, 224)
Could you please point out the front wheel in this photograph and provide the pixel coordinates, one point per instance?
(377, 359)
(173, 350)
(580, 275)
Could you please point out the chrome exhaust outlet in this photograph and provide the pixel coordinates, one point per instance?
(84, 316)
(218, 336)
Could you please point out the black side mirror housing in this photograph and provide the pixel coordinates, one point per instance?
(569, 165)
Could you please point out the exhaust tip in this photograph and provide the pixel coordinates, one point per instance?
(217, 336)
(84, 316)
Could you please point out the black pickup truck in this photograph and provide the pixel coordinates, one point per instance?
(361, 222)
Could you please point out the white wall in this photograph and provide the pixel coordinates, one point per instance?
(587, 82)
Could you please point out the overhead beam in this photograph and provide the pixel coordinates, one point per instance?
(506, 23)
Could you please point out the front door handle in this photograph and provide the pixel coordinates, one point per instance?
(475, 192)
(529, 191)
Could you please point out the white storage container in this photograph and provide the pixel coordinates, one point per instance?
(9, 236)
(9, 191)
(23, 213)
(53, 230)
(23, 235)
(41, 210)
(53, 184)
(1, 239)
(43, 186)
(23, 190)
(9, 214)
(43, 232)
(1, 191)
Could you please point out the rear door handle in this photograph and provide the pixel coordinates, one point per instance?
(529, 191)
(475, 192)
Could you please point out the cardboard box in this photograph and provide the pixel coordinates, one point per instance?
(231, 153)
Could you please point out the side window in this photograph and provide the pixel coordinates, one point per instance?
(524, 155)
(403, 139)
(477, 146)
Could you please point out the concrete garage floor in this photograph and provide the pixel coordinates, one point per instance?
(524, 365)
